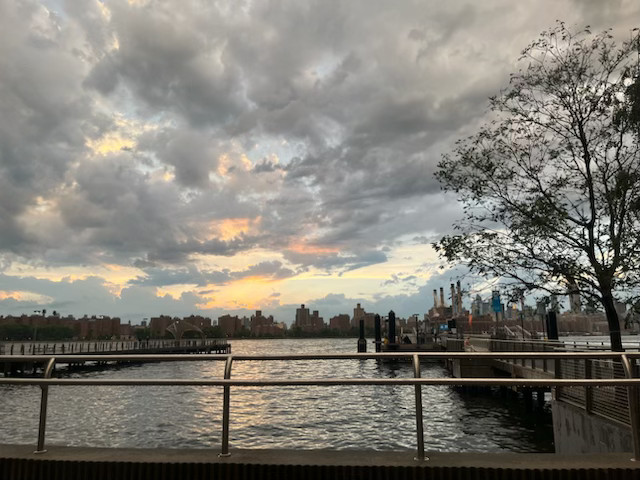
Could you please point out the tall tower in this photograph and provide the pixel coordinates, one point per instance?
(302, 316)
(575, 305)
(454, 303)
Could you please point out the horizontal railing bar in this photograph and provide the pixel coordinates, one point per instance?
(250, 382)
(560, 341)
(303, 356)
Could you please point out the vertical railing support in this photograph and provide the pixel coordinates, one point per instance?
(588, 391)
(43, 407)
(634, 408)
(419, 424)
(226, 406)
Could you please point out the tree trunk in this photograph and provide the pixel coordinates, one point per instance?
(613, 321)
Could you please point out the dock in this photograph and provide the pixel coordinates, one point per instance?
(70, 352)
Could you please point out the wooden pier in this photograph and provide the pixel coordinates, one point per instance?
(102, 347)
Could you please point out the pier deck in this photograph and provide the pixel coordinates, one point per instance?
(18, 462)
(71, 352)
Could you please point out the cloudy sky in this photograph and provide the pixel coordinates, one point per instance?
(197, 156)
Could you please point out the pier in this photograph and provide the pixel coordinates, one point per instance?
(71, 352)
(223, 461)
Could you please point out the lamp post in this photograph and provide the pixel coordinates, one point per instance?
(35, 327)
(415, 315)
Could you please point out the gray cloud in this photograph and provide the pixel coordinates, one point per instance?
(273, 270)
(190, 274)
(358, 113)
(162, 277)
(169, 64)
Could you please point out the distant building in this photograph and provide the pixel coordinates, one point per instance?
(308, 322)
(34, 321)
(198, 321)
(261, 325)
(158, 325)
(412, 321)
(341, 322)
(439, 309)
(575, 304)
(229, 325)
(512, 313)
(127, 332)
(582, 323)
(99, 327)
(358, 313)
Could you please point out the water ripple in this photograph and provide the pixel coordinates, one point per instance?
(363, 417)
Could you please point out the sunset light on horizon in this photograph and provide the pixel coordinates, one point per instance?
(177, 158)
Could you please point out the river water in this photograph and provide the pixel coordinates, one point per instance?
(362, 417)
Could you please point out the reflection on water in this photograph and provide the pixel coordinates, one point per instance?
(363, 417)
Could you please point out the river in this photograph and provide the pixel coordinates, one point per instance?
(369, 417)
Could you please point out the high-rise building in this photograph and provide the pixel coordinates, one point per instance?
(302, 316)
(308, 322)
(229, 325)
(358, 313)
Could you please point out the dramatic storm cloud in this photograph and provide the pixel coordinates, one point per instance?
(201, 157)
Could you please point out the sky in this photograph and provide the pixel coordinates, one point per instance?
(208, 157)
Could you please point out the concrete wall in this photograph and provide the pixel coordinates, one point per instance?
(472, 368)
(576, 431)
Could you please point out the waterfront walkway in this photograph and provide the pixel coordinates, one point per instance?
(18, 462)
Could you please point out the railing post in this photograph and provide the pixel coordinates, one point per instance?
(419, 424)
(43, 407)
(588, 391)
(226, 405)
(634, 408)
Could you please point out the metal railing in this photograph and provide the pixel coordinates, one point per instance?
(607, 402)
(485, 342)
(630, 382)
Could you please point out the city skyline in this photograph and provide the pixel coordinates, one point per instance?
(178, 159)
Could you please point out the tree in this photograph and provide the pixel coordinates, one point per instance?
(213, 332)
(142, 333)
(551, 185)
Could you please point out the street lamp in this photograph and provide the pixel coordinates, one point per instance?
(416, 316)
(35, 327)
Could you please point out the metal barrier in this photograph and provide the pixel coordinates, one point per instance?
(630, 383)
(606, 402)
(488, 343)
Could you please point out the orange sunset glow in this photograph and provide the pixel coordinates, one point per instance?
(163, 158)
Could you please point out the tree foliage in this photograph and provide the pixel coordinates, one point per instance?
(14, 331)
(551, 185)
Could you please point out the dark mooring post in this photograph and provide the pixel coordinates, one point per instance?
(376, 325)
(552, 326)
(392, 329)
(362, 342)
